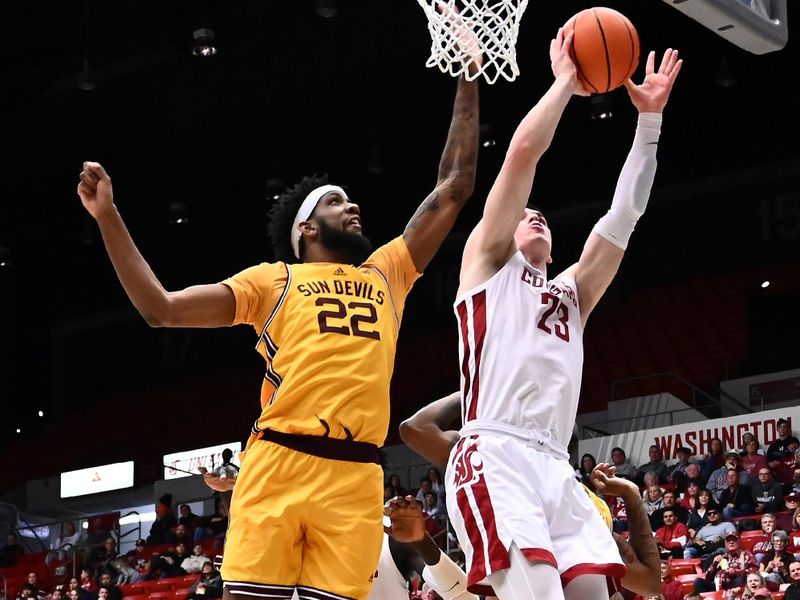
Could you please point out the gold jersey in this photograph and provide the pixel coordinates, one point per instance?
(328, 333)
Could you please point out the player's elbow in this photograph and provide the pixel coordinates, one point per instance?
(457, 187)
(408, 430)
(160, 314)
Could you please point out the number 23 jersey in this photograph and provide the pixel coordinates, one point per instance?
(521, 350)
(328, 333)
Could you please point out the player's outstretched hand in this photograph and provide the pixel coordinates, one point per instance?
(408, 521)
(95, 189)
(605, 481)
(215, 482)
(653, 93)
(561, 63)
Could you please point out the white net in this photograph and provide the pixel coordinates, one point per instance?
(477, 38)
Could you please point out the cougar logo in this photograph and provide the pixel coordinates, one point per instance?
(468, 466)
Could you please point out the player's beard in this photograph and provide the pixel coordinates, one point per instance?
(354, 248)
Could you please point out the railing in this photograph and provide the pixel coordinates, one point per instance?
(63, 548)
(137, 529)
(5, 587)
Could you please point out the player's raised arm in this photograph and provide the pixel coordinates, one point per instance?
(491, 243)
(431, 432)
(606, 245)
(198, 306)
(455, 183)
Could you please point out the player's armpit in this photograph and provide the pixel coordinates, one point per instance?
(594, 271)
(430, 431)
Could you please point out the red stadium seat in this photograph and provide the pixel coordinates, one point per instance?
(712, 595)
(679, 570)
(175, 582)
(155, 586)
(748, 539)
(161, 595)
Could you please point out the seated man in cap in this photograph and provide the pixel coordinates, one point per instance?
(730, 569)
(719, 478)
(677, 472)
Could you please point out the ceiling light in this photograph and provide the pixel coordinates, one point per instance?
(19, 430)
(41, 413)
(326, 9)
(5, 257)
(204, 42)
(178, 213)
(765, 284)
(602, 106)
(274, 187)
(487, 136)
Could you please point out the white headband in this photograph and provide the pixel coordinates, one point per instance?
(305, 210)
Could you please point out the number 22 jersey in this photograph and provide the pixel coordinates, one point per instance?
(328, 333)
(521, 351)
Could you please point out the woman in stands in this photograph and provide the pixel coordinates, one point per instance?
(208, 586)
(752, 462)
(689, 499)
(714, 459)
(697, 518)
(651, 498)
(794, 534)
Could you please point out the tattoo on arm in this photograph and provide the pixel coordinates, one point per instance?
(430, 204)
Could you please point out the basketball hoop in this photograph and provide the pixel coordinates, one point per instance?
(476, 40)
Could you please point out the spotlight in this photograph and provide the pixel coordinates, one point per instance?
(41, 413)
(178, 213)
(19, 430)
(765, 284)
(487, 136)
(326, 9)
(204, 42)
(602, 106)
(274, 187)
(5, 257)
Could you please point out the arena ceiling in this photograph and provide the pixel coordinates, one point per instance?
(288, 93)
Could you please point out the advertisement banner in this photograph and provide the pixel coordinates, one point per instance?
(184, 464)
(97, 479)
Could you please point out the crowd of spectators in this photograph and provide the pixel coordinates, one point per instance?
(736, 510)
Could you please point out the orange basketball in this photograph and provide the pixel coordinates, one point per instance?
(605, 48)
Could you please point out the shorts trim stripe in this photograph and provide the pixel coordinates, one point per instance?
(498, 555)
(309, 593)
(260, 590)
(479, 333)
(616, 570)
(477, 568)
(539, 555)
(465, 372)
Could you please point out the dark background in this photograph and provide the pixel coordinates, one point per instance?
(291, 93)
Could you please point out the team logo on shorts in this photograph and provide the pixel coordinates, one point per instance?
(468, 466)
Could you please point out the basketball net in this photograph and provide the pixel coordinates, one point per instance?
(477, 40)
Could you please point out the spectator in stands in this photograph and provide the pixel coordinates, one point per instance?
(11, 552)
(650, 479)
(689, 499)
(793, 591)
(746, 437)
(736, 500)
(56, 594)
(711, 537)
(656, 465)
(718, 480)
(107, 582)
(752, 585)
(167, 564)
(95, 538)
(670, 502)
(138, 557)
(123, 572)
(784, 472)
(584, 473)
(778, 449)
(424, 488)
(693, 475)
(165, 523)
(188, 519)
(88, 585)
(181, 535)
(181, 551)
(227, 468)
(217, 524)
(730, 568)
(714, 459)
(767, 493)
(437, 485)
(652, 500)
(620, 461)
(33, 580)
(753, 461)
(28, 592)
(672, 537)
(698, 518)
(677, 472)
(73, 595)
(435, 513)
(99, 558)
(671, 588)
(768, 527)
(209, 585)
(397, 489)
(69, 539)
(774, 566)
(195, 562)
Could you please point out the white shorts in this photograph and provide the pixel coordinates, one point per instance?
(501, 490)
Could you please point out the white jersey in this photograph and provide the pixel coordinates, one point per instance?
(521, 353)
(388, 583)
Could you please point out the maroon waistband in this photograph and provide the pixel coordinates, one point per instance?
(324, 447)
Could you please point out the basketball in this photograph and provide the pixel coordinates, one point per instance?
(605, 48)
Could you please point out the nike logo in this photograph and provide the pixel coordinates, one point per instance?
(452, 587)
(651, 144)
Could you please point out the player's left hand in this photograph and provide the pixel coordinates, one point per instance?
(215, 482)
(605, 481)
(652, 94)
(408, 522)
